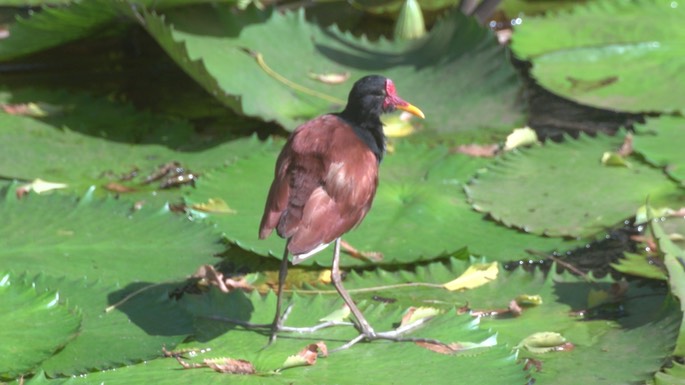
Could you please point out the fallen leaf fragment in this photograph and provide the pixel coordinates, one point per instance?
(325, 276)
(514, 308)
(440, 348)
(521, 137)
(36, 110)
(118, 188)
(330, 77)
(414, 314)
(478, 150)
(545, 342)
(614, 159)
(38, 186)
(214, 206)
(529, 299)
(307, 356)
(338, 315)
(230, 365)
(478, 274)
(221, 365)
(208, 275)
(627, 146)
(456, 347)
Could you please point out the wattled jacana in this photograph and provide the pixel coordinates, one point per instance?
(325, 180)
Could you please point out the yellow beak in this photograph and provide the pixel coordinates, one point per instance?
(411, 109)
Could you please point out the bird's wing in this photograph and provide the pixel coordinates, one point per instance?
(277, 200)
(344, 193)
(323, 186)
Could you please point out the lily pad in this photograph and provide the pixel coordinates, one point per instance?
(84, 141)
(419, 213)
(35, 326)
(459, 63)
(658, 141)
(53, 26)
(149, 317)
(562, 189)
(344, 367)
(674, 261)
(608, 65)
(600, 342)
(100, 239)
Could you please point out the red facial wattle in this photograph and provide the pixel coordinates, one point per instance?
(394, 101)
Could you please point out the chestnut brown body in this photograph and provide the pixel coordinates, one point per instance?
(324, 184)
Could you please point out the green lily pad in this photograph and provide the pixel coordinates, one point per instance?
(658, 141)
(618, 357)
(674, 375)
(457, 74)
(150, 318)
(562, 189)
(100, 239)
(35, 325)
(607, 66)
(53, 26)
(639, 265)
(674, 261)
(345, 367)
(419, 212)
(84, 141)
(640, 316)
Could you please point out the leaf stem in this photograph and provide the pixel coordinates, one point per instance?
(262, 64)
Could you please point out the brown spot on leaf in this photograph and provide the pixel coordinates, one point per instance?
(478, 150)
(118, 188)
(440, 348)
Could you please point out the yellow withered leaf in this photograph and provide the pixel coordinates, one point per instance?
(214, 205)
(476, 275)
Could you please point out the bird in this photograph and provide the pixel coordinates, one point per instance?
(325, 181)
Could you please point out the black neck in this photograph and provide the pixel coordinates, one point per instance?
(370, 131)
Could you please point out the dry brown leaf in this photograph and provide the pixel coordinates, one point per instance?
(414, 314)
(514, 308)
(118, 188)
(627, 146)
(209, 276)
(311, 352)
(440, 348)
(307, 356)
(230, 365)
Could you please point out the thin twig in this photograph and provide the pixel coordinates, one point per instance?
(562, 263)
(373, 288)
(131, 295)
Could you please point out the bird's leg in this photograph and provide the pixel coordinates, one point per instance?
(277, 325)
(367, 332)
(362, 324)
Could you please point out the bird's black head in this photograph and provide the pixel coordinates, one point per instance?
(370, 97)
(373, 95)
